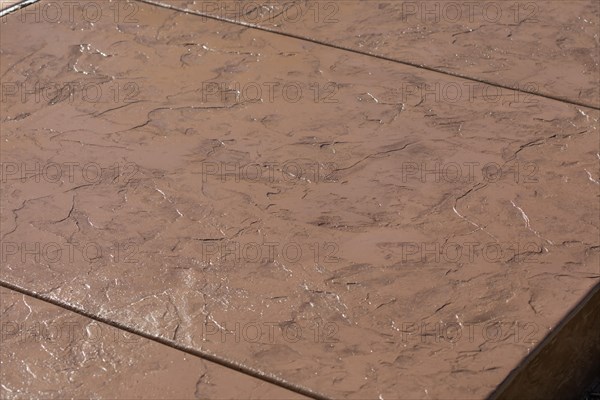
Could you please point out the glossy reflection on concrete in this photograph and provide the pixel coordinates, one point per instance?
(298, 209)
(9, 6)
(49, 352)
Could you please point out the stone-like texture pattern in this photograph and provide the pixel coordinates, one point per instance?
(49, 352)
(325, 269)
(565, 362)
(550, 47)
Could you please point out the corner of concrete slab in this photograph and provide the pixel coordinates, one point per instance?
(566, 363)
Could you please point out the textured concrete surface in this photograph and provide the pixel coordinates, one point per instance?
(49, 352)
(311, 213)
(567, 363)
(527, 45)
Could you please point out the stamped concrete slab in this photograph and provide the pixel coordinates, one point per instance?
(550, 47)
(49, 352)
(289, 206)
(566, 364)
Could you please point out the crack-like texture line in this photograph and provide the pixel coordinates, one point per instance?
(157, 3)
(255, 373)
(16, 7)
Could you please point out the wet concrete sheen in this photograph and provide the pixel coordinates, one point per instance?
(314, 214)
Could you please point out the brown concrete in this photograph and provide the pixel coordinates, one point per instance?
(366, 310)
(7, 3)
(565, 362)
(549, 47)
(49, 352)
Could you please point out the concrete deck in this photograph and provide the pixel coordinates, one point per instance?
(355, 202)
